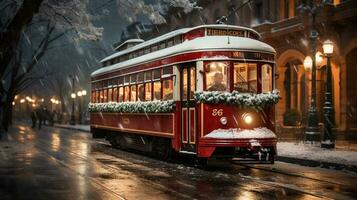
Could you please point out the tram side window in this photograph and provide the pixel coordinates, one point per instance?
(93, 96)
(267, 78)
(133, 93)
(101, 97)
(126, 93)
(157, 74)
(105, 95)
(148, 91)
(245, 77)
(110, 94)
(167, 89)
(115, 94)
(121, 94)
(216, 76)
(141, 94)
(157, 90)
(140, 77)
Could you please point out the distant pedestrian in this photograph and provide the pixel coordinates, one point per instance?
(33, 118)
(40, 113)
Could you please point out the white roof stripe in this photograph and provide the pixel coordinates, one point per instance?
(173, 34)
(209, 43)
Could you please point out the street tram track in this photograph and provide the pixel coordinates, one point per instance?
(266, 183)
(263, 182)
(108, 167)
(287, 174)
(93, 180)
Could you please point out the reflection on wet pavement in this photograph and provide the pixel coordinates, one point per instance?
(61, 164)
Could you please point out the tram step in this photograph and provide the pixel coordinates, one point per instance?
(188, 152)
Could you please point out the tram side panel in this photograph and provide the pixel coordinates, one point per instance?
(153, 124)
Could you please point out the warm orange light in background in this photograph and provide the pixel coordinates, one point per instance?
(308, 63)
(318, 58)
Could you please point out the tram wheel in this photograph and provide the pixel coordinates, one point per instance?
(161, 148)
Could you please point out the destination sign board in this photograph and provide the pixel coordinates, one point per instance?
(220, 32)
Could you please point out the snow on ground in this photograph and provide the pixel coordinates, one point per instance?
(234, 133)
(316, 153)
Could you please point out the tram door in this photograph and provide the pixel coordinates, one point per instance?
(188, 110)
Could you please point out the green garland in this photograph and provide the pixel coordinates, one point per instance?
(243, 100)
(134, 107)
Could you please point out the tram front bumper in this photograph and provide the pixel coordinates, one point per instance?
(233, 142)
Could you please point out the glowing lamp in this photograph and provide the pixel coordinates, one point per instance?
(308, 63)
(328, 47)
(73, 95)
(248, 118)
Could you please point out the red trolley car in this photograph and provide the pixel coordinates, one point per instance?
(205, 91)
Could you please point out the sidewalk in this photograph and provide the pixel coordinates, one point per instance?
(314, 156)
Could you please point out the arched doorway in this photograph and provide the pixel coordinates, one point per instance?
(293, 85)
(351, 110)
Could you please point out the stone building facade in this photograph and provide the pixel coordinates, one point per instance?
(284, 25)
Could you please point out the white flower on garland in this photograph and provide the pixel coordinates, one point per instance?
(134, 107)
(244, 100)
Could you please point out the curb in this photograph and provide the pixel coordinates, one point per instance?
(314, 163)
(71, 128)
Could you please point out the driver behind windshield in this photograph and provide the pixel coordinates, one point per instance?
(217, 83)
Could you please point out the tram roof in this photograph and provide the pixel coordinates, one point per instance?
(210, 43)
(173, 34)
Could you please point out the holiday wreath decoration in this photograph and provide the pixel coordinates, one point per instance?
(243, 100)
(134, 107)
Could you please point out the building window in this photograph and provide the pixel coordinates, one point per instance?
(245, 77)
(157, 90)
(216, 76)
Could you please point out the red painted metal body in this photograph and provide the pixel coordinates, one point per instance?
(188, 125)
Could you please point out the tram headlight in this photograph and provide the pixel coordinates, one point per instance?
(223, 120)
(247, 118)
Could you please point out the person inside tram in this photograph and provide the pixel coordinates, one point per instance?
(218, 84)
(141, 95)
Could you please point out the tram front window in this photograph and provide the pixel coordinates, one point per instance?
(245, 77)
(216, 76)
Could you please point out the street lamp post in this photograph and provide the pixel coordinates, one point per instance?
(329, 114)
(84, 93)
(79, 94)
(73, 96)
(312, 132)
